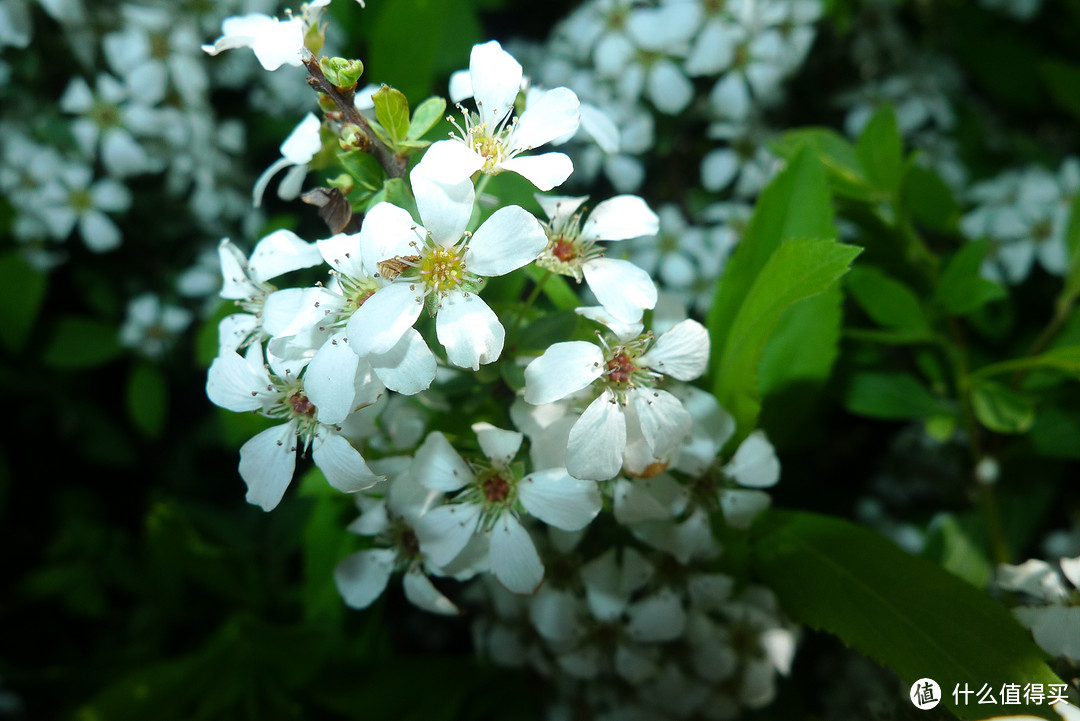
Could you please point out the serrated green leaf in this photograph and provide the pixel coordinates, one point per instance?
(891, 396)
(426, 116)
(1000, 408)
(147, 399)
(961, 289)
(392, 112)
(903, 611)
(80, 342)
(795, 204)
(881, 151)
(799, 269)
(890, 303)
(22, 290)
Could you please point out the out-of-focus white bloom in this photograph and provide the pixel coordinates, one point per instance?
(622, 287)
(492, 139)
(156, 48)
(629, 405)
(16, 28)
(299, 148)
(1019, 9)
(1055, 622)
(152, 326)
(108, 118)
(73, 199)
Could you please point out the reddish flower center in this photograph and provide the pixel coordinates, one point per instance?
(301, 405)
(620, 368)
(564, 250)
(496, 489)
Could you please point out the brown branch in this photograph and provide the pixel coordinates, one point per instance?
(394, 165)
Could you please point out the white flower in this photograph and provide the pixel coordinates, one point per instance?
(268, 460)
(629, 404)
(107, 120)
(151, 326)
(622, 287)
(299, 148)
(156, 48)
(246, 282)
(442, 265)
(362, 576)
(1055, 623)
(274, 42)
(493, 138)
(492, 494)
(72, 200)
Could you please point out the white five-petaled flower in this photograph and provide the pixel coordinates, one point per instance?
(493, 138)
(267, 461)
(492, 494)
(622, 287)
(442, 265)
(629, 406)
(388, 517)
(246, 282)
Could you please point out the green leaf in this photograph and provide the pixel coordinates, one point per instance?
(890, 303)
(426, 116)
(928, 199)
(835, 153)
(799, 269)
(22, 290)
(1061, 80)
(413, 42)
(1002, 409)
(364, 169)
(962, 290)
(881, 151)
(147, 399)
(325, 543)
(795, 204)
(392, 112)
(80, 342)
(1066, 359)
(903, 611)
(891, 396)
(953, 548)
(556, 289)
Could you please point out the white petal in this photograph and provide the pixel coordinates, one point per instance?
(597, 441)
(362, 577)
(290, 186)
(438, 466)
(409, 367)
(281, 252)
(620, 218)
(378, 325)
(623, 288)
(554, 615)
(98, 232)
(564, 368)
(714, 48)
(303, 142)
(444, 531)
(343, 253)
(718, 168)
(342, 464)
(121, 153)
(545, 171)
(730, 97)
(469, 330)
(514, 561)
(741, 506)
(507, 240)
(422, 593)
(664, 421)
(755, 464)
(236, 285)
(555, 114)
(388, 231)
(460, 86)
(445, 208)
(328, 380)
(660, 617)
(634, 503)
(498, 444)
(267, 462)
(449, 161)
(681, 353)
(559, 500)
(602, 589)
(600, 127)
(496, 79)
(236, 385)
(669, 89)
(559, 207)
